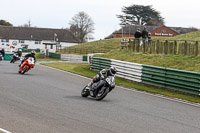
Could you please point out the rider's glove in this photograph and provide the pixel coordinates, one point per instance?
(102, 77)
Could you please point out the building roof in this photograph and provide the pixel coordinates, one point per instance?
(39, 34)
(131, 29)
(182, 30)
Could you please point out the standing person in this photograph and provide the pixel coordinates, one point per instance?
(137, 35)
(144, 35)
(149, 38)
(3, 52)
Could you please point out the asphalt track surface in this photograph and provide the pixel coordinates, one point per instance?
(46, 100)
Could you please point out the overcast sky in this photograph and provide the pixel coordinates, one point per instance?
(58, 13)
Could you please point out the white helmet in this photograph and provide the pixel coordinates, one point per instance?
(113, 70)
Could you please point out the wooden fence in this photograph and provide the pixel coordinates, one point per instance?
(174, 47)
(80, 51)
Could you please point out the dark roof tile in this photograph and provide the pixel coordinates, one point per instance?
(30, 33)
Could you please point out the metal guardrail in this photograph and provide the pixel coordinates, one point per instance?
(70, 57)
(180, 80)
(128, 70)
(185, 81)
(98, 64)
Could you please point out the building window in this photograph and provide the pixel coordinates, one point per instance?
(37, 42)
(163, 31)
(21, 41)
(4, 40)
(51, 46)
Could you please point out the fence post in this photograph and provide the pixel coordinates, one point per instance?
(175, 47)
(144, 45)
(138, 46)
(157, 46)
(166, 47)
(129, 44)
(197, 48)
(133, 45)
(185, 48)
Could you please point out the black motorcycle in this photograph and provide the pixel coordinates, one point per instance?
(1, 57)
(100, 89)
(15, 58)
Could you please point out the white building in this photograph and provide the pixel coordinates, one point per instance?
(12, 38)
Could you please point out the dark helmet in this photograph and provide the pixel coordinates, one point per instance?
(33, 52)
(112, 70)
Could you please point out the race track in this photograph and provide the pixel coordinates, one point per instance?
(46, 100)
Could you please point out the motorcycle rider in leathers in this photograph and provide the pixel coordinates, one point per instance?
(32, 54)
(101, 75)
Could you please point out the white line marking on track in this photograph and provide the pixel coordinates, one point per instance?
(142, 92)
(3, 130)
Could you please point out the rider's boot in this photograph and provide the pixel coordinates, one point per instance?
(89, 86)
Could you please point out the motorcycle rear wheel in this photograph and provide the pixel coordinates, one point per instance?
(84, 92)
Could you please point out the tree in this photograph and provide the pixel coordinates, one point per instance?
(82, 26)
(5, 23)
(142, 15)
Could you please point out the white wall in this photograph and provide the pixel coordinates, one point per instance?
(31, 45)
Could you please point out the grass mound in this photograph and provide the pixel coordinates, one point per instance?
(189, 63)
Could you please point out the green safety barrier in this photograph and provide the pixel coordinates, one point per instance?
(184, 81)
(8, 56)
(85, 58)
(100, 63)
(178, 80)
(54, 55)
(29, 50)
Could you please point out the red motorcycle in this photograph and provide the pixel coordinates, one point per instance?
(27, 65)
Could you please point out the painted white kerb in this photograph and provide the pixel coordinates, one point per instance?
(3, 130)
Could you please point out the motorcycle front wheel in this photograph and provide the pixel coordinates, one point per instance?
(102, 94)
(11, 61)
(84, 92)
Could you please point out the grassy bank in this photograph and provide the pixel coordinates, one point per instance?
(189, 63)
(115, 43)
(83, 69)
(100, 45)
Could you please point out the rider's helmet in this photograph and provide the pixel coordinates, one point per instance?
(20, 50)
(33, 53)
(112, 71)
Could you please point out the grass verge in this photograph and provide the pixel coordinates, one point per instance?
(48, 59)
(83, 69)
